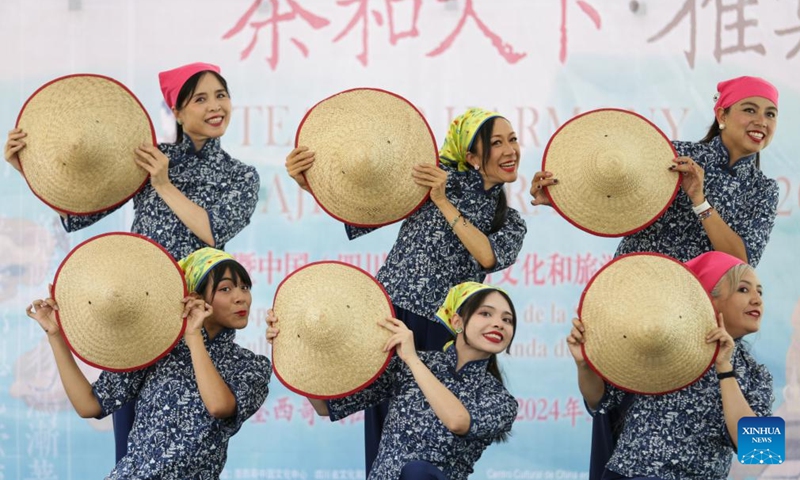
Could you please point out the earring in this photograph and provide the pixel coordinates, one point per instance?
(459, 330)
(179, 122)
(477, 167)
(722, 126)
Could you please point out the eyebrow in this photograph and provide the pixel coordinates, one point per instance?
(752, 104)
(747, 282)
(203, 93)
(505, 312)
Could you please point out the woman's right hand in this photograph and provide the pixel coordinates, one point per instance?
(44, 312)
(540, 181)
(272, 330)
(297, 162)
(575, 340)
(14, 144)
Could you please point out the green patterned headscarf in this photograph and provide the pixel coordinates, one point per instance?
(455, 298)
(460, 136)
(198, 263)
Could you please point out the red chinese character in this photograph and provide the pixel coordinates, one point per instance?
(739, 25)
(792, 30)
(308, 413)
(507, 278)
(531, 268)
(505, 50)
(350, 259)
(560, 269)
(588, 10)
(247, 260)
(357, 417)
(261, 415)
(361, 17)
(394, 36)
(271, 265)
(316, 22)
(284, 409)
(295, 260)
(573, 409)
(585, 268)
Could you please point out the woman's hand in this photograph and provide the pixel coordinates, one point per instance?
(721, 335)
(575, 341)
(692, 176)
(44, 312)
(150, 158)
(402, 339)
(272, 330)
(433, 177)
(541, 180)
(297, 162)
(14, 144)
(195, 311)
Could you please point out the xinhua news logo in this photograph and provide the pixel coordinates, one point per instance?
(762, 440)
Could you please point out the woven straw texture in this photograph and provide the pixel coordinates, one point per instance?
(82, 131)
(646, 317)
(613, 172)
(330, 344)
(366, 143)
(119, 298)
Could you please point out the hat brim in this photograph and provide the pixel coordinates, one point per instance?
(119, 297)
(81, 134)
(330, 344)
(645, 317)
(613, 172)
(366, 142)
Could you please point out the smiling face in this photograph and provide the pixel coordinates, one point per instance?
(498, 164)
(749, 126)
(489, 329)
(230, 300)
(206, 113)
(741, 304)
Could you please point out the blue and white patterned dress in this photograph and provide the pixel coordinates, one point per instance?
(682, 435)
(173, 436)
(742, 195)
(225, 187)
(414, 432)
(428, 258)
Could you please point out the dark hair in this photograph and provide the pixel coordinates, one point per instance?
(467, 309)
(187, 91)
(714, 130)
(238, 274)
(484, 135)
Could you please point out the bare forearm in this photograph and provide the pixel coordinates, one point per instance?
(77, 387)
(319, 406)
(215, 393)
(476, 243)
(192, 215)
(734, 405)
(723, 238)
(591, 385)
(447, 407)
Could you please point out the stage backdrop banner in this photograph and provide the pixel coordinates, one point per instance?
(538, 63)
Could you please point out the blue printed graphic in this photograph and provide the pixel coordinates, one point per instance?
(762, 440)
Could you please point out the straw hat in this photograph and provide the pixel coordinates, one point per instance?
(646, 317)
(119, 301)
(330, 344)
(82, 132)
(613, 172)
(366, 142)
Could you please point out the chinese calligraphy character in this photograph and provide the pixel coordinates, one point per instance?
(792, 30)
(588, 10)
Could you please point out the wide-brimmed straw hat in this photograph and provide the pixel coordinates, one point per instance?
(119, 301)
(330, 344)
(366, 142)
(613, 172)
(646, 317)
(82, 132)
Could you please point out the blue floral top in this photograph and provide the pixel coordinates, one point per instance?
(225, 187)
(742, 195)
(682, 435)
(173, 436)
(412, 430)
(428, 258)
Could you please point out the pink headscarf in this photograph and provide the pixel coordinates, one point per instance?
(172, 80)
(735, 89)
(710, 267)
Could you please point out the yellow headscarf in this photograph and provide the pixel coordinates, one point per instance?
(460, 136)
(198, 263)
(455, 298)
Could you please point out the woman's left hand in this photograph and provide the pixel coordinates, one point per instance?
(150, 158)
(402, 339)
(726, 344)
(432, 177)
(195, 311)
(692, 176)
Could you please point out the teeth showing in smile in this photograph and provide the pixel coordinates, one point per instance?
(756, 135)
(215, 121)
(496, 337)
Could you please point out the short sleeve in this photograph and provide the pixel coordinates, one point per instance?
(250, 388)
(492, 414)
(234, 204)
(507, 242)
(113, 390)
